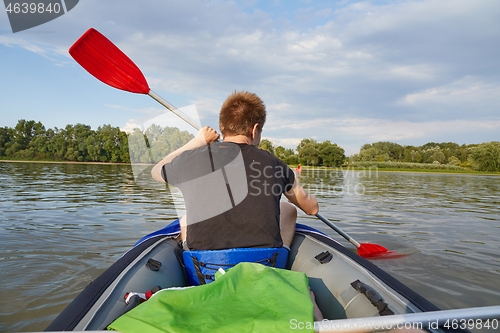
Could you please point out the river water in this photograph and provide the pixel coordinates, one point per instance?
(62, 225)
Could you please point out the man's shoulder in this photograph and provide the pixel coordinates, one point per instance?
(193, 153)
(257, 150)
(265, 157)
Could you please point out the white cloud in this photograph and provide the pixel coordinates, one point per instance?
(468, 97)
(10, 41)
(130, 126)
(420, 72)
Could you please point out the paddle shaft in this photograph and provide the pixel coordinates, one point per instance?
(458, 318)
(337, 229)
(170, 107)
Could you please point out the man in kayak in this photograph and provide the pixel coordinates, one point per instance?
(232, 189)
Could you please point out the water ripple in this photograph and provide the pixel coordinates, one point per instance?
(63, 224)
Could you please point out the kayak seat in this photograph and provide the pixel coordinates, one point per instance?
(201, 265)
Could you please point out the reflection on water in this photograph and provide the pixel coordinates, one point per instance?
(64, 224)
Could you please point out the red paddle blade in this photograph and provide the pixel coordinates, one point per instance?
(373, 251)
(101, 58)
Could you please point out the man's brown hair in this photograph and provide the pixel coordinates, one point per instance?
(240, 112)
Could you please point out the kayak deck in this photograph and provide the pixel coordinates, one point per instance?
(331, 269)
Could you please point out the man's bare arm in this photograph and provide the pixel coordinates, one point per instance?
(300, 198)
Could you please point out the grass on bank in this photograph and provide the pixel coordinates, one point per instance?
(406, 167)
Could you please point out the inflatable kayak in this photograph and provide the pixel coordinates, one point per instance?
(345, 285)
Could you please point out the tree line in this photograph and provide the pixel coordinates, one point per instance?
(30, 140)
(155, 143)
(480, 157)
(308, 152)
(432, 155)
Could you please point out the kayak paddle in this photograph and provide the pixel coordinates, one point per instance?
(106, 62)
(365, 250)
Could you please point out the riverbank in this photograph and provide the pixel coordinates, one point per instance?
(373, 169)
(343, 169)
(62, 162)
(443, 171)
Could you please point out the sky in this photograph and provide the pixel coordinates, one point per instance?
(351, 72)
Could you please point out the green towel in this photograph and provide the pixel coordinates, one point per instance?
(250, 297)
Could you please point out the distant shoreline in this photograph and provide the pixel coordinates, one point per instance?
(377, 169)
(63, 162)
(304, 168)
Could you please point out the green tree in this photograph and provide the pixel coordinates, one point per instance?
(486, 157)
(5, 139)
(165, 140)
(59, 144)
(94, 148)
(433, 154)
(114, 144)
(266, 144)
(407, 153)
(449, 149)
(287, 155)
(371, 153)
(462, 153)
(331, 154)
(123, 150)
(37, 148)
(308, 152)
(453, 160)
(22, 135)
(138, 147)
(76, 137)
(155, 143)
(382, 151)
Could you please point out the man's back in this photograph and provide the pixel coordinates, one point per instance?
(232, 194)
